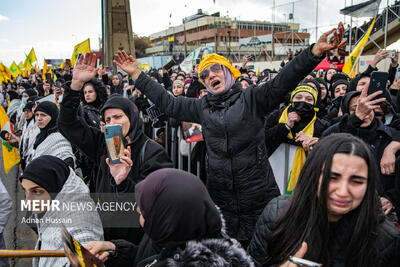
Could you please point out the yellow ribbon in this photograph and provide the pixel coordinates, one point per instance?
(300, 156)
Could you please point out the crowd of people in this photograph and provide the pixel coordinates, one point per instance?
(290, 165)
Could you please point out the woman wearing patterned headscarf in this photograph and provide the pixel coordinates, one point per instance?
(239, 177)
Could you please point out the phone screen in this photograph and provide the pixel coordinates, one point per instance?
(114, 142)
(398, 73)
(378, 83)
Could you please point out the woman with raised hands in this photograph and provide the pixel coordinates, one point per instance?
(239, 177)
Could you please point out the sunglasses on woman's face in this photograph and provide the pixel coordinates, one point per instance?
(205, 73)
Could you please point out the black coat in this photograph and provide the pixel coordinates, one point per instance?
(90, 114)
(387, 242)
(91, 141)
(239, 177)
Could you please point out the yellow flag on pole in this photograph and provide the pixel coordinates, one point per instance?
(10, 153)
(22, 69)
(80, 48)
(62, 65)
(350, 65)
(30, 58)
(4, 72)
(46, 69)
(14, 69)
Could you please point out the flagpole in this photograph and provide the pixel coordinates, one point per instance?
(386, 24)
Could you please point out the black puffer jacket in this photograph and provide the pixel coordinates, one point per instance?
(387, 243)
(239, 177)
(90, 114)
(91, 141)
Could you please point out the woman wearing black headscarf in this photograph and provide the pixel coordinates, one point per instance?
(142, 155)
(94, 95)
(117, 86)
(49, 141)
(183, 227)
(49, 178)
(29, 129)
(15, 102)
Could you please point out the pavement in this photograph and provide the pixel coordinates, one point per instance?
(17, 235)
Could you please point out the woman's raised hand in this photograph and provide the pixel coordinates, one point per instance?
(127, 64)
(367, 103)
(324, 45)
(84, 70)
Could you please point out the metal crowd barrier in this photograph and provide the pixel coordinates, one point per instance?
(172, 147)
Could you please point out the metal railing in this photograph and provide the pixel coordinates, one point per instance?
(173, 137)
(380, 23)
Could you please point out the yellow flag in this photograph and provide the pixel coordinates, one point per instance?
(79, 49)
(46, 69)
(10, 153)
(30, 58)
(171, 39)
(2, 79)
(15, 71)
(62, 65)
(6, 73)
(349, 67)
(22, 69)
(146, 66)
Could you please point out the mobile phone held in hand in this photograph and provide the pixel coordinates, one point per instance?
(398, 73)
(391, 54)
(114, 142)
(378, 83)
(331, 36)
(303, 262)
(169, 64)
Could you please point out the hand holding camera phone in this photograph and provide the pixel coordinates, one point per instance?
(114, 142)
(392, 54)
(377, 83)
(331, 36)
(169, 64)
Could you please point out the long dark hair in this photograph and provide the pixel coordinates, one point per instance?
(101, 93)
(306, 217)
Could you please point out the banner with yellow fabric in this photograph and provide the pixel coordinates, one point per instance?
(30, 58)
(80, 48)
(46, 69)
(5, 71)
(10, 153)
(350, 65)
(15, 71)
(22, 69)
(288, 160)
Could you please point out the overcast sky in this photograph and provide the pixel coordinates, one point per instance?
(54, 27)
